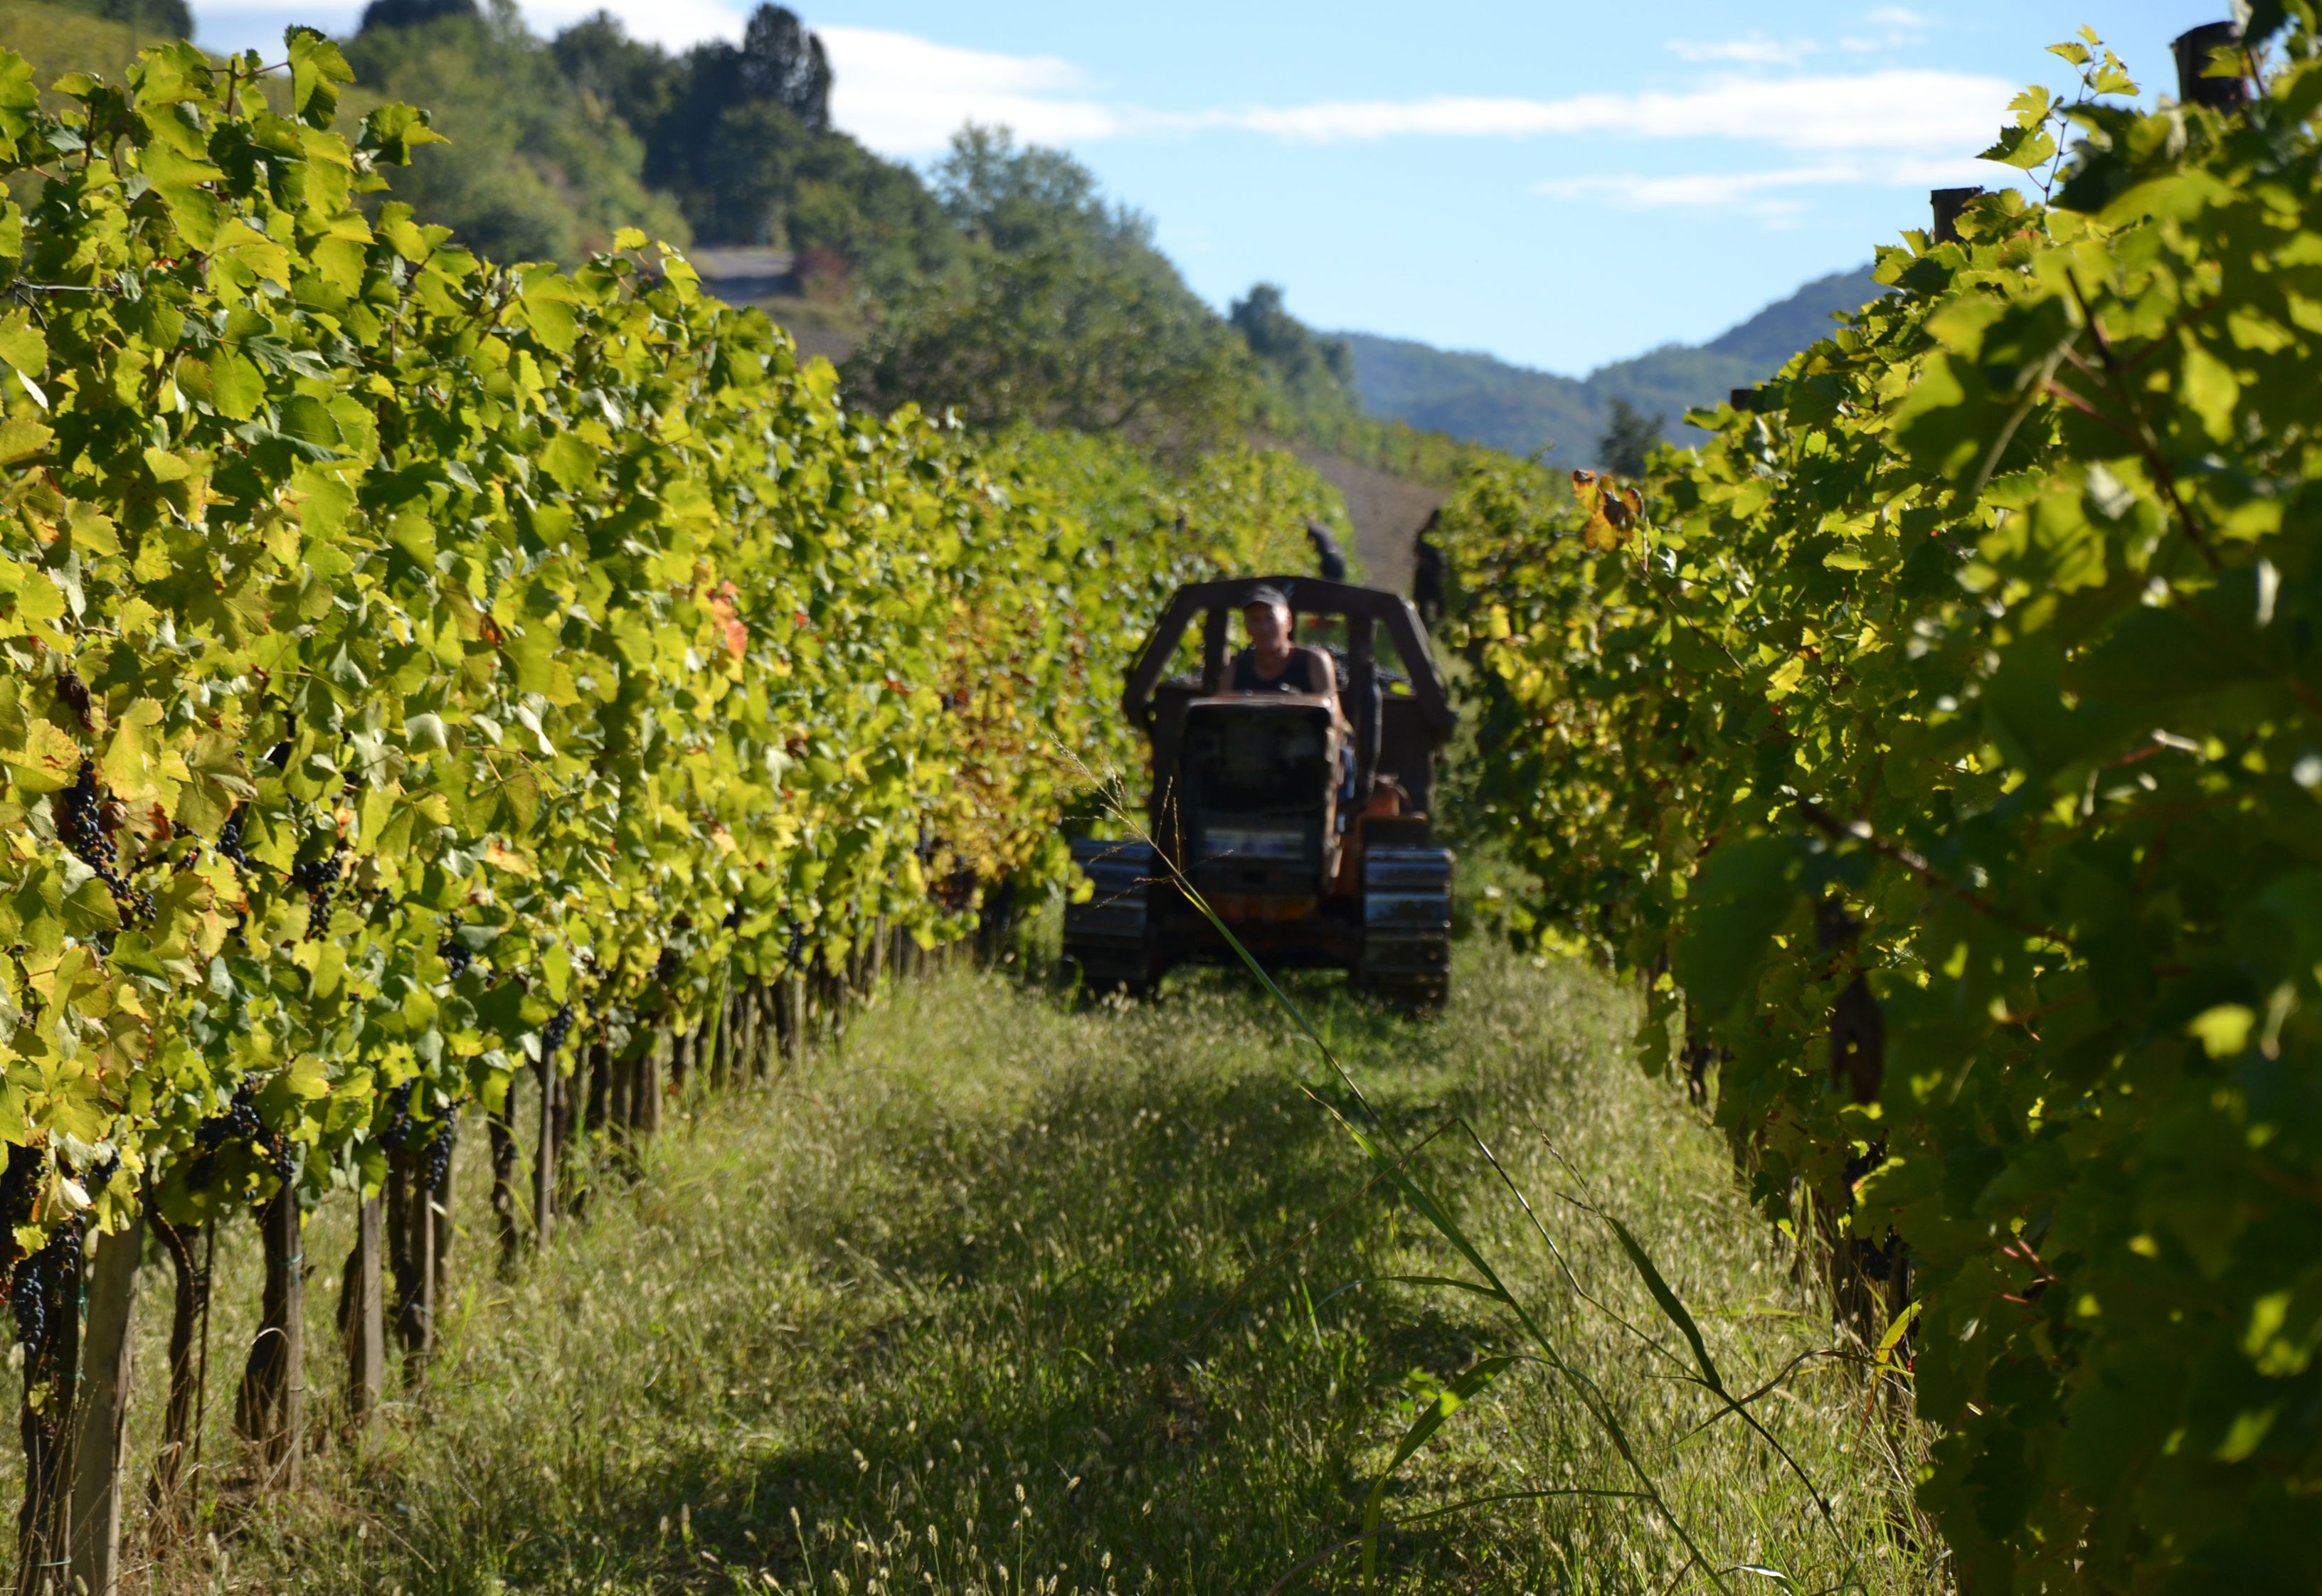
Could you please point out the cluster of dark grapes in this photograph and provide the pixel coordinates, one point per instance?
(319, 877)
(454, 953)
(439, 1155)
(552, 1034)
(399, 1130)
(239, 1122)
(20, 1187)
(395, 1134)
(36, 1277)
(80, 821)
(669, 966)
(228, 843)
(80, 827)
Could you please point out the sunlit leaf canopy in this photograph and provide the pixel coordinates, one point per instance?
(375, 602)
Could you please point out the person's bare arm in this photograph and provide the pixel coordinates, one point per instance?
(1321, 668)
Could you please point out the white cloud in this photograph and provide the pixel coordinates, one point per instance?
(1702, 189)
(1899, 16)
(1756, 51)
(1764, 193)
(906, 96)
(1923, 111)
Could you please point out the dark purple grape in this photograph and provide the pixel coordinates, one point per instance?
(454, 953)
(239, 1122)
(80, 827)
(394, 1133)
(229, 842)
(552, 1034)
(320, 877)
(439, 1154)
(36, 1279)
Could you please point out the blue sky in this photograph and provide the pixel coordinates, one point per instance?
(1560, 185)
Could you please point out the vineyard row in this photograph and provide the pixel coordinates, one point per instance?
(422, 673)
(1941, 747)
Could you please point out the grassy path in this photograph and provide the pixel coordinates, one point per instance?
(958, 1310)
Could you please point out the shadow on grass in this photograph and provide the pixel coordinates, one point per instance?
(1112, 1341)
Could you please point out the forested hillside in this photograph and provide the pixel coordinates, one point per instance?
(1001, 285)
(1486, 401)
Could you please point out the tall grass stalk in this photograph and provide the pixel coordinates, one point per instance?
(1394, 1168)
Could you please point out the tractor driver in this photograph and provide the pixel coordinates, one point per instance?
(1273, 662)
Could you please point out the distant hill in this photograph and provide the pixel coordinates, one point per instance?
(1486, 401)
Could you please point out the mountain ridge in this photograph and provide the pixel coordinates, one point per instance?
(1483, 399)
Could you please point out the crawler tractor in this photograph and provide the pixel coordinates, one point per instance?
(1315, 848)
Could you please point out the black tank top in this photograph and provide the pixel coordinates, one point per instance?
(1297, 676)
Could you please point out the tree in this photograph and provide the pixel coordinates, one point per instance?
(782, 62)
(1629, 435)
(635, 80)
(1283, 341)
(533, 171)
(1066, 314)
(1017, 200)
(150, 19)
(1306, 375)
(740, 140)
(725, 127)
(1060, 337)
(414, 13)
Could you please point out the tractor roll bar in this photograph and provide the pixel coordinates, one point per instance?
(1309, 596)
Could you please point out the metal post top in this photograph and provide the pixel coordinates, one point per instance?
(2193, 49)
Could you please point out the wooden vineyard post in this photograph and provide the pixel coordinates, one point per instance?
(718, 1067)
(271, 1410)
(570, 1181)
(501, 1127)
(794, 1031)
(620, 1093)
(826, 1002)
(411, 1256)
(740, 1010)
(362, 1315)
(644, 1092)
(543, 1166)
(417, 1307)
(598, 1063)
(754, 1028)
(95, 1560)
(439, 1210)
(186, 1304)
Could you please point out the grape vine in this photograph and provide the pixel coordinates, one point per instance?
(1940, 746)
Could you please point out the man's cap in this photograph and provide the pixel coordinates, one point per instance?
(1263, 594)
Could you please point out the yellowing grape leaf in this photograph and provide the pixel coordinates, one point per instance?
(50, 760)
